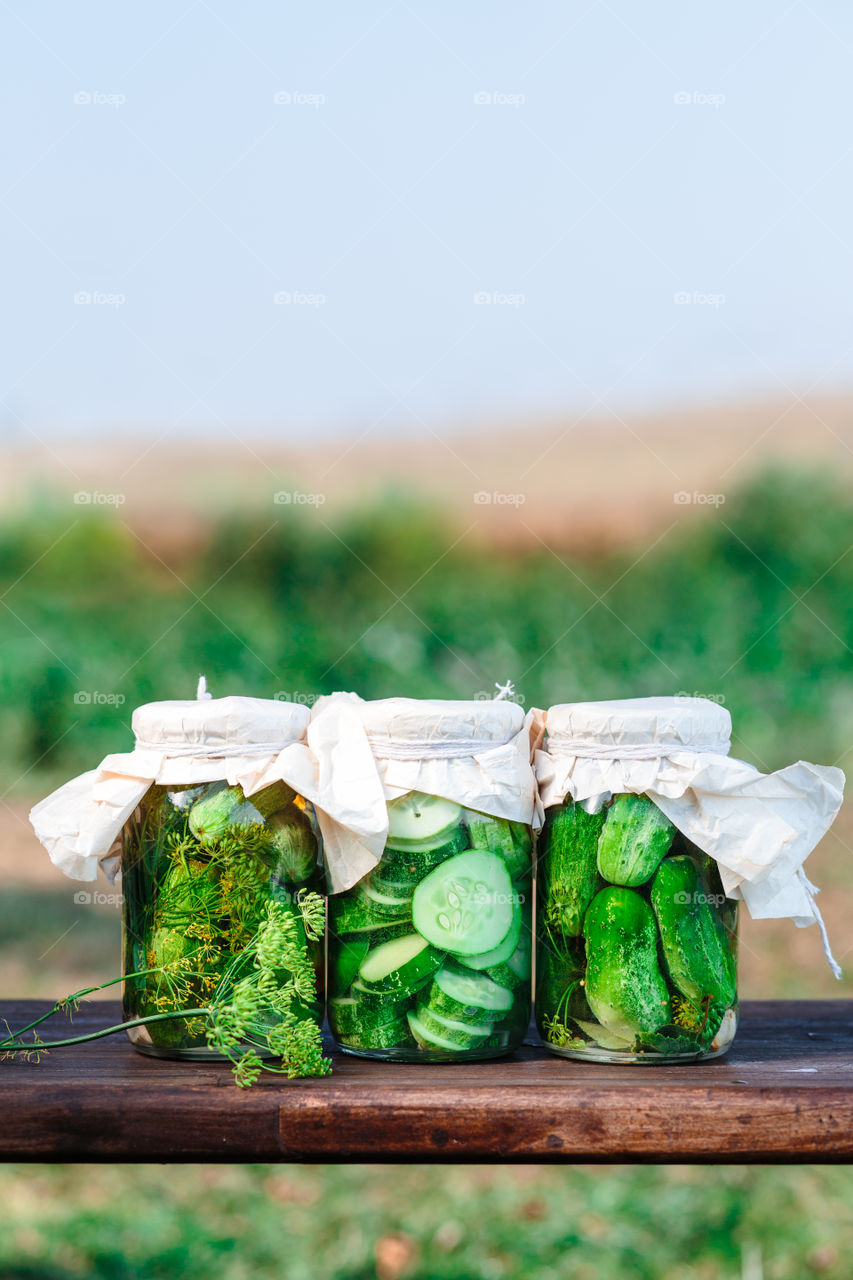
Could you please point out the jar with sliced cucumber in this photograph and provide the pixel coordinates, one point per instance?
(636, 940)
(430, 953)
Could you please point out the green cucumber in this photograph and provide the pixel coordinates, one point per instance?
(624, 986)
(387, 1035)
(218, 809)
(516, 972)
(272, 799)
(510, 840)
(466, 904)
(695, 945)
(379, 1000)
(399, 968)
(467, 996)
(386, 906)
(465, 1035)
(502, 952)
(431, 1036)
(634, 840)
(568, 866)
(352, 1013)
(418, 821)
(295, 844)
(354, 912)
(414, 864)
(345, 957)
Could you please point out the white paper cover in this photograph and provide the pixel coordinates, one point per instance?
(246, 741)
(476, 753)
(758, 827)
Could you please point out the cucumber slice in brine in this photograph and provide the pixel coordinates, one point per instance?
(466, 905)
(420, 821)
(399, 968)
(503, 951)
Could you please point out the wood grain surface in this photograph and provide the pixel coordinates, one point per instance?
(783, 1093)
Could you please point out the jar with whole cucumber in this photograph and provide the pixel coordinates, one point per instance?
(430, 953)
(636, 955)
(204, 871)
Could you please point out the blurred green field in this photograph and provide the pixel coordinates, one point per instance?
(751, 603)
(423, 1223)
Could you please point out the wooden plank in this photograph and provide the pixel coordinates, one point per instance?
(784, 1093)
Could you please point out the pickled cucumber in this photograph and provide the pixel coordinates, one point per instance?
(635, 837)
(624, 986)
(568, 870)
(695, 944)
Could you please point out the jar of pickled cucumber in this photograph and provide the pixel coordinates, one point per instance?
(636, 955)
(429, 952)
(653, 835)
(221, 876)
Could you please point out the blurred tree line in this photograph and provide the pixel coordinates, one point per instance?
(751, 603)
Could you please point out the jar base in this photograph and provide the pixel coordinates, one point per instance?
(200, 1054)
(425, 1057)
(611, 1057)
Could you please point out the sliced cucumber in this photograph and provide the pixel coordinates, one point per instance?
(505, 976)
(517, 971)
(379, 1000)
(499, 1039)
(396, 879)
(348, 1014)
(421, 821)
(356, 913)
(386, 906)
(400, 967)
(468, 996)
(389, 1035)
(414, 864)
(502, 952)
(345, 957)
(467, 1034)
(430, 1038)
(431, 1033)
(466, 905)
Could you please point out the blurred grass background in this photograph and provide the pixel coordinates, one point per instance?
(751, 603)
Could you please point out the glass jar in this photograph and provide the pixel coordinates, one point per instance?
(636, 947)
(199, 866)
(430, 953)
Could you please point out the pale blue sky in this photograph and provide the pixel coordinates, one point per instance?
(187, 195)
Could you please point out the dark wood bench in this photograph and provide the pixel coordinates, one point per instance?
(784, 1093)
